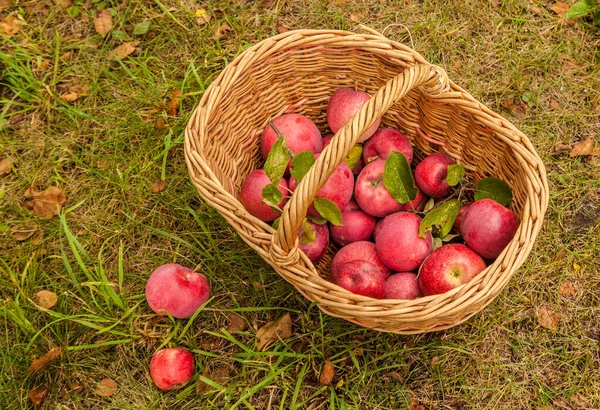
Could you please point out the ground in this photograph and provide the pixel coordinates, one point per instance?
(106, 131)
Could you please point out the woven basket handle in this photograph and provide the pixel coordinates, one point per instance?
(284, 244)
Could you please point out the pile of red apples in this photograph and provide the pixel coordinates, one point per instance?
(383, 249)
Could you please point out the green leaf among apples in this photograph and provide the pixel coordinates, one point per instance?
(308, 234)
(272, 196)
(495, 189)
(440, 220)
(301, 163)
(455, 174)
(277, 161)
(329, 210)
(398, 178)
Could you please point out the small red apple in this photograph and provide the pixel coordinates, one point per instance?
(176, 290)
(383, 142)
(417, 204)
(358, 251)
(449, 267)
(430, 175)
(371, 194)
(317, 248)
(300, 133)
(488, 227)
(343, 104)
(252, 199)
(357, 226)
(172, 368)
(362, 278)
(403, 285)
(398, 243)
(461, 214)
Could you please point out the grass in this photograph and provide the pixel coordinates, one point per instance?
(104, 152)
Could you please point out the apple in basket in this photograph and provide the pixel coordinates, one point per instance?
(357, 226)
(370, 192)
(343, 104)
(430, 175)
(402, 285)
(172, 368)
(252, 199)
(314, 240)
(361, 278)
(358, 251)
(383, 142)
(300, 133)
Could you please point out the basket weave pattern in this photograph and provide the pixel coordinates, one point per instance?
(298, 71)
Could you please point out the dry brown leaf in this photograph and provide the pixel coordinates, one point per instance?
(10, 25)
(340, 2)
(123, 50)
(158, 186)
(396, 376)
(327, 374)
(223, 28)
(37, 396)
(46, 299)
(560, 8)
(64, 3)
(580, 401)
(567, 288)
(174, 103)
(6, 166)
(202, 17)
(358, 16)
(583, 148)
(258, 286)
(46, 203)
(561, 254)
(160, 124)
(220, 376)
(106, 388)
(23, 232)
(434, 360)
(40, 363)
(69, 97)
(279, 329)
(562, 147)
(495, 3)
(554, 104)
(236, 323)
(282, 29)
(103, 22)
(535, 9)
(4, 4)
(547, 317)
(267, 3)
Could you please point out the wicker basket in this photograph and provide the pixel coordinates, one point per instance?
(299, 70)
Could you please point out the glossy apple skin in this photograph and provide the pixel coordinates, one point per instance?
(417, 204)
(398, 243)
(383, 142)
(358, 251)
(402, 285)
(176, 290)
(371, 194)
(461, 214)
(430, 175)
(449, 267)
(358, 226)
(317, 248)
(251, 195)
(343, 104)
(488, 227)
(361, 278)
(172, 368)
(301, 134)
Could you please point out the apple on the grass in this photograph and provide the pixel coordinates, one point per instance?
(343, 104)
(172, 368)
(488, 227)
(383, 142)
(431, 173)
(317, 248)
(398, 243)
(371, 194)
(402, 285)
(362, 278)
(176, 290)
(357, 226)
(449, 267)
(252, 199)
(300, 133)
(358, 251)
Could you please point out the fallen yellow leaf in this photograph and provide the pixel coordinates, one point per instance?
(123, 50)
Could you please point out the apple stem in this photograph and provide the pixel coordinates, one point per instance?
(281, 137)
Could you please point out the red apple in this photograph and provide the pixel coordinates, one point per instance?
(358, 251)
(398, 243)
(449, 267)
(488, 227)
(417, 204)
(172, 368)
(371, 194)
(430, 175)
(361, 278)
(461, 214)
(317, 248)
(252, 199)
(358, 226)
(403, 285)
(300, 133)
(383, 142)
(343, 104)
(176, 290)
(352, 206)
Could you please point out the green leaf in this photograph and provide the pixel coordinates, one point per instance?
(455, 174)
(275, 224)
(597, 18)
(495, 189)
(141, 28)
(272, 196)
(398, 178)
(119, 35)
(449, 237)
(308, 234)
(579, 9)
(101, 5)
(319, 220)
(301, 163)
(429, 205)
(329, 211)
(440, 220)
(74, 11)
(277, 161)
(354, 156)
(436, 243)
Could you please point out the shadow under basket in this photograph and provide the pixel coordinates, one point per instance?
(298, 71)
